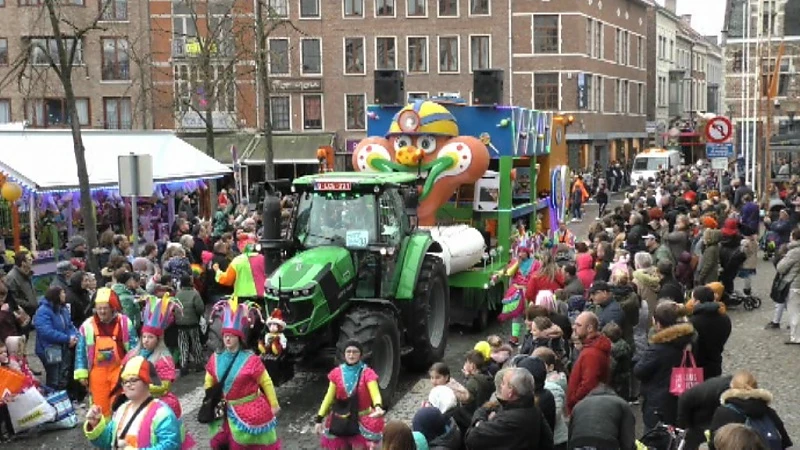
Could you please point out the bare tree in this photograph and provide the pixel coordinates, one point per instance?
(68, 34)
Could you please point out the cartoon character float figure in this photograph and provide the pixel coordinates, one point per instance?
(424, 138)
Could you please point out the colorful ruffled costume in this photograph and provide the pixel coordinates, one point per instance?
(158, 314)
(248, 389)
(519, 270)
(154, 428)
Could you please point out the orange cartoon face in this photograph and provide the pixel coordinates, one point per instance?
(424, 138)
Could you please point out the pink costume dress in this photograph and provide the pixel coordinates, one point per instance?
(514, 298)
(250, 397)
(371, 428)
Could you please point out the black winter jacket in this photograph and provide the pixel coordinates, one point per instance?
(654, 369)
(450, 440)
(517, 425)
(696, 408)
(753, 403)
(713, 328)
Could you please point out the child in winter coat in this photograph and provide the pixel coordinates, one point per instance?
(440, 376)
(621, 360)
(749, 247)
(500, 352)
(6, 426)
(18, 361)
(556, 383)
(188, 323)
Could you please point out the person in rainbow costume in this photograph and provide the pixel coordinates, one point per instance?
(157, 315)
(519, 271)
(103, 341)
(251, 403)
(142, 422)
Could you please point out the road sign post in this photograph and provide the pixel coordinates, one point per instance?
(719, 151)
(135, 180)
(719, 130)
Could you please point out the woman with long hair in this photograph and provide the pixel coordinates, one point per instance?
(55, 335)
(549, 277)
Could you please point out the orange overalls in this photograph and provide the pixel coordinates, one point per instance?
(106, 368)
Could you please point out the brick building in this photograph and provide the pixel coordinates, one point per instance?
(585, 58)
(106, 75)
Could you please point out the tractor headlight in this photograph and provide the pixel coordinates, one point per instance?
(296, 293)
(306, 292)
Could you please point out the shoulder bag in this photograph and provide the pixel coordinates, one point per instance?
(121, 436)
(211, 410)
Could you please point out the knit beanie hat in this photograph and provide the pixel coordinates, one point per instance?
(537, 368)
(430, 423)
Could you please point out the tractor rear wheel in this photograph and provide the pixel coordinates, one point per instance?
(427, 317)
(377, 332)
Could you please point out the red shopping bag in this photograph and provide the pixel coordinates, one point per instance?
(685, 377)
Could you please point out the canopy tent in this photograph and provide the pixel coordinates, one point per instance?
(44, 160)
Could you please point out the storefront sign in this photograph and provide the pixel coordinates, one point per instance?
(191, 120)
(303, 85)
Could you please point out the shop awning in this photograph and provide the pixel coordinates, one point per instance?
(222, 144)
(44, 160)
(290, 148)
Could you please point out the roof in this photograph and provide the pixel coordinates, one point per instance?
(44, 160)
(361, 178)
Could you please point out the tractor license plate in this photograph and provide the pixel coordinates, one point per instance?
(333, 186)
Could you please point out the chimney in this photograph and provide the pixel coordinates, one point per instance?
(671, 5)
(687, 19)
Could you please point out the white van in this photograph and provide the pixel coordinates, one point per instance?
(648, 163)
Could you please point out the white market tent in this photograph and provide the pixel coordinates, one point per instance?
(44, 160)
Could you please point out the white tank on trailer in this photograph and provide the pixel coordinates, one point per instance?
(462, 246)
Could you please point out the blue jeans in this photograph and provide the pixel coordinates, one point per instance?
(56, 374)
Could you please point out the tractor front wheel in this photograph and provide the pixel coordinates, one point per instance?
(428, 315)
(377, 332)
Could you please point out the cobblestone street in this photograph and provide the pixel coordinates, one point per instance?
(750, 347)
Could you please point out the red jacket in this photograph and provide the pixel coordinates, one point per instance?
(593, 366)
(539, 282)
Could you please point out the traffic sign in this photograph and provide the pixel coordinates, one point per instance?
(719, 151)
(719, 163)
(719, 130)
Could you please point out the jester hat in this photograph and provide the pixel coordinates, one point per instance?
(158, 313)
(237, 316)
(141, 368)
(108, 297)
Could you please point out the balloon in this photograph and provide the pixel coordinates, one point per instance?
(11, 191)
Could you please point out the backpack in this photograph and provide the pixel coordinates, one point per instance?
(764, 426)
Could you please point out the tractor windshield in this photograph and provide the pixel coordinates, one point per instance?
(344, 219)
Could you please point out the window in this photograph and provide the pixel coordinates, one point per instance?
(312, 56)
(626, 97)
(588, 86)
(545, 91)
(640, 98)
(416, 8)
(599, 93)
(589, 36)
(279, 56)
(599, 46)
(45, 50)
(192, 88)
(448, 8)
(312, 112)
(417, 96)
(117, 113)
(448, 54)
(481, 52)
(384, 8)
(2, 3)
(479, 7)
(385, 53)
(354, 56)
(640, 52)
(417, 54)
(309, 9)
(53, 112)
(355, 108)
(617, 95)
(737, 61)
(116, 65)
(115, 9)
(545, 34)
(278, 8)
(3, 51)
(354, 8)
(5, 111)
(280, 113)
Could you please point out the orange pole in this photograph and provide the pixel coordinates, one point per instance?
(15, 226)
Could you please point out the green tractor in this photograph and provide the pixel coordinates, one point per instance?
(355, 267)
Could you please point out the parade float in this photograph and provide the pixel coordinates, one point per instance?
(388, 254)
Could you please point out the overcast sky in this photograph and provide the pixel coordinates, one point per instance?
(707, 15)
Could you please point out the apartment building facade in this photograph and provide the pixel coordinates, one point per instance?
(586, 58)
(107, 75)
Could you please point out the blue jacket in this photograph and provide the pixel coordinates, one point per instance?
(52, 328)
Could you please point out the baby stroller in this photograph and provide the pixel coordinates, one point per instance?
(727, 276)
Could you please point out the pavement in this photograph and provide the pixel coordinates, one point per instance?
(750, 347)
